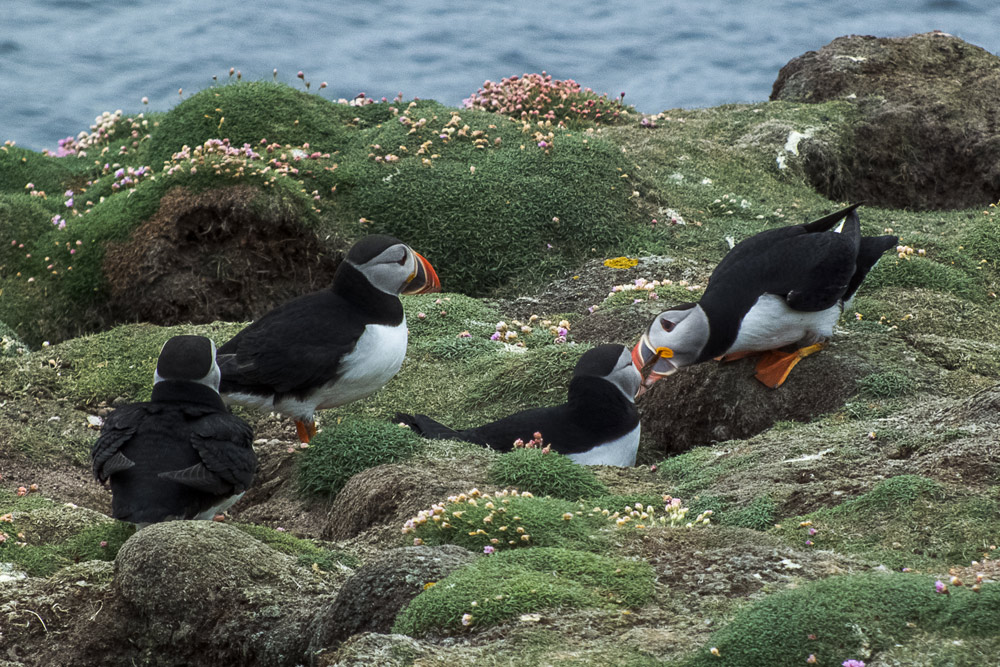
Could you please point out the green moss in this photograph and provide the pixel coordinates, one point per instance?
(545, 475)
(525, 378)
(905, 521)
(513, 521)
(10, 344)
(924, 273)
(342, 450)
(51, 175)
(846, 617)
(759, 514)
(43, 551)
(307, 552)
(249, 111)
(504, 585)
(886, 384)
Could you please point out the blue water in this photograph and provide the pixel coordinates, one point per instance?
(63, 62)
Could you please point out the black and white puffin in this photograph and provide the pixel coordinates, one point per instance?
(182, 455)
(597, 425)
(330, 347)
(779, 292)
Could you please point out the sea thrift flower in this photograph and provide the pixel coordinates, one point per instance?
(940, 587)
(467, 619)
(488, 549)
(853, 663)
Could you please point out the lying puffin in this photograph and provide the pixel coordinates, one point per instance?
(181, 455)
(330, 347)
(597, 425)
(781, 287)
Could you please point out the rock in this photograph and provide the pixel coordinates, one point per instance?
(205, 592)
(717, 401)
(929, 111)
(370, 600)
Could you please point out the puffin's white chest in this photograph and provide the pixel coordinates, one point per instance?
(771, 324)
(620, 452)
(374, 361)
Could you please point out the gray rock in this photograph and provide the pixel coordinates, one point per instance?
(370, 600)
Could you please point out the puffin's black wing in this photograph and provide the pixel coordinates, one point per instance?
(119, 427)
(297, 345)
(228, 463)
(872, 248)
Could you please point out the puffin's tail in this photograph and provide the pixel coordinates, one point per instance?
(427, 427)
(872, 248)
(828, 222)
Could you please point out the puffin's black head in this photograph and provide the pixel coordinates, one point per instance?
(188, 359)
(392, 266)
(612, 363)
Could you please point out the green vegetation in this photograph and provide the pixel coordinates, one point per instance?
(905, 521)
(342, 450)
(549, 474)
(307, 552)
(838, 618)
(503, 585)
(507, 520)
(886, 384)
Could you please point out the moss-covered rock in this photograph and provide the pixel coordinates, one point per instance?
(502, 586)
(370, 600)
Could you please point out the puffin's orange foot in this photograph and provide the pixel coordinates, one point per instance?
(305, 430)
(735, 356)
(775, 365)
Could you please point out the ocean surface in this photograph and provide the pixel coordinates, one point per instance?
(63, 62)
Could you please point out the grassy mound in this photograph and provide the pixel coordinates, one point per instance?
(342, 450)
(843, 618)
(904, 521)
(504, 585)
(549, 474)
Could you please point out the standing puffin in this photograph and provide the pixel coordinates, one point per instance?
(597, 425)
(781, 287)
(330, 347)
(181, 455)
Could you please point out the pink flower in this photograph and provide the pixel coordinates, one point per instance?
(940, 587)
(853, 663)
(487, 549)
(104, 543)
(467, 619)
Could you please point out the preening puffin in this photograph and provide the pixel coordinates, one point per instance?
(597, 425)
(781, 287)
(181, 455)
(330, 347)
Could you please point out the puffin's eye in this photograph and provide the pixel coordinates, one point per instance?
(667, 325)
(402, 260)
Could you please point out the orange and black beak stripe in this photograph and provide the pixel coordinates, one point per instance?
(424, 280)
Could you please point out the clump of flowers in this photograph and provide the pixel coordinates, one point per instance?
(533, 97)
(106, 127)
(906, 252)
(509, 333)
(536, 442)
(674, 514)
(490, 520)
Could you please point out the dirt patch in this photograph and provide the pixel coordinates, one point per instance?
(216, 255)
(927, 136)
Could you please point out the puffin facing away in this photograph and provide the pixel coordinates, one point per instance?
(181, 455)
(597, 425)
(779, 292)
(330, 347)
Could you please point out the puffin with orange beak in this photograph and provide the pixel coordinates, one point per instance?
(778, 294)
(330, 347)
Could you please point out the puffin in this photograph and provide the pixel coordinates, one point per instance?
(778, 293)
(597, 425)
(330, 347)
(181, 455)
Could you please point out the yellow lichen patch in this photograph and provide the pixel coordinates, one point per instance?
(620, 262)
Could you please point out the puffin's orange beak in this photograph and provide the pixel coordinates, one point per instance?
(424, 280)
(652, 363)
